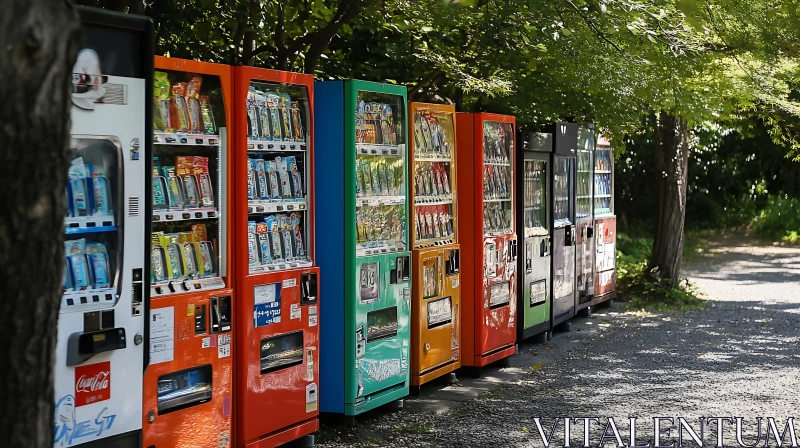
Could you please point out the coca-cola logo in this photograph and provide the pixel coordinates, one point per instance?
(92, 383)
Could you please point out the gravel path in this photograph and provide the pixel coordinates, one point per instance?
(739, 357)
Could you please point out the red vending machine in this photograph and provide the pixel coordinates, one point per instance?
(277, 356)
(485, 149)
(188, 379)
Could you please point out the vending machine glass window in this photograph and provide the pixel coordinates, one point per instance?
(380, 174)
(277, 173)
(535, 209)
(434, 171)
(604, 188)
(563, 191)
(93, 237)
(180, 390)
(585, 178)
(187, 188)
(497, 178)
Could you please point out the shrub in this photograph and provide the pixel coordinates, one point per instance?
(779, 220)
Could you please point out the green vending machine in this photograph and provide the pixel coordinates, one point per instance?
(362, 244)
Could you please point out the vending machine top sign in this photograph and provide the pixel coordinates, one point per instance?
(433, 188)
(99, 353)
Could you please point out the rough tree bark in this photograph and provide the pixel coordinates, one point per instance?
(39, 40)
(672, 162)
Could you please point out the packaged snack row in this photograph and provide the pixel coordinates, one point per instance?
(379, 176)
(498, 138)
(496, 182)
(534, 213)
(430, 280)
(88, 190)
(273, 116)
(496, 218)
(430, 139)
(380, 226)
(375, 124)
(183, 255)
(433, 222)
(276, 239)
(431, 180)
(279, 178)
(180, 107)
(186, 184)
(87, 265)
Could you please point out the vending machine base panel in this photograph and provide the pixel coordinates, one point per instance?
(377, 399)
(432, 374)
(534, 330)
(561, 318)
(486, 359)
(287, 435)
(131, 439)
(583, 303)
(596, 300)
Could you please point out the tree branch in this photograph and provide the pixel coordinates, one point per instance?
(596, 30)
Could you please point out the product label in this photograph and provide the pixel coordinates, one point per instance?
(224, 439)
(361, 343)
(267, 304)
(92, 383)
(309, 364)
(538, 292)
(311, 397)
(439, 311)
(290, 283)
(162, 334)
(206, 342)
(500, 294)
(369, 282)
(454, 283)
(312, 320)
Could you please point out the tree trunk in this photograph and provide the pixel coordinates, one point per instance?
(39, 41)
(672, 161)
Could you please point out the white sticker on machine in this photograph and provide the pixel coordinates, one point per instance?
(224, 440)
(224, 345)
(295, 312)
(290, 283)
(309, 364)
(162, 334)
(311, 397)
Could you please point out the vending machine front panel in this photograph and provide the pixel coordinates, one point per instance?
(605, 223)
(99, 352)
(585, 248)
(564, 231)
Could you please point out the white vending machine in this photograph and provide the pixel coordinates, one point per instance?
(101, 325)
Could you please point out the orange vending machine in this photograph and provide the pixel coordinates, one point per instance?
(488, 237)
(436, 286)
(277, 356)
(188, 376)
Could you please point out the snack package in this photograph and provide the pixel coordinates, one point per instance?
(67, 277)
(199, 233)
(175, 257)
(261, 175)
(288, 244)
(252, 245)
(209, 126)
(160, 267)
(179, 108)
(273, 103)
(300, 249)
(185, 169)
(263, 117)
(75, 251)
(191, 257)
(283, 174)
(253, 118)
(77, 183)
(161, 121)
(102, 192)
(274, 184)
(193, 101)
(359, 178)
(297, 123)
(274, 236)
(207, 259)
(286, 119)
(369, 180)
(201, 172)
(175, 189)
(98, 263)
(263, 242)
(159, 188)
(296, 178)
(252, 179)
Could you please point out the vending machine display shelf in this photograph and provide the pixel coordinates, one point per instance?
(102, 298)
(375, 149)
(379, 250)
(275, 146)
(602, 171)
(89, 224)
(373, 201)
(282, 266)
(270, 206)
(433, 242)
(497, 163)
(184, 214)
(432, 200)
(179, 139)
(183, 286)
(433, 159)
(602, 195)
(496, 199)
(501, 232)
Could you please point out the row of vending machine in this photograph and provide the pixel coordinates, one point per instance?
(246, 248)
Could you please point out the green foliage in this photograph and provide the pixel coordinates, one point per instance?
(644, 291)
(779, 220)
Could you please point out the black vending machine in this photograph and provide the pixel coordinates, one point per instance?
(565, 136)
(584, 216)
